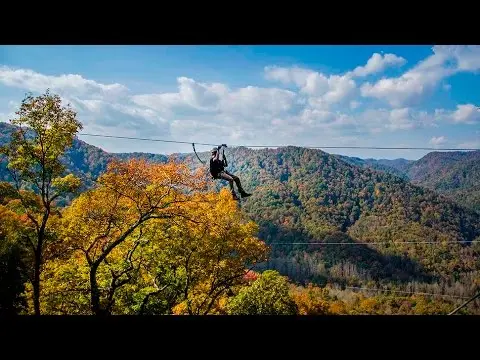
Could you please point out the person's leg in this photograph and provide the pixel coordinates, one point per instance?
(224, 176)
(239, 184)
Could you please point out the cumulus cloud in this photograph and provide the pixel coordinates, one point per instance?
(217, 98)
(412, 87)
(381, 120)
(321, 90)
(316, 107)
(464, 114)
(325, 90)
(437, 141)
(378, 63)
(295, 75)
(468, 114)
(71, 84)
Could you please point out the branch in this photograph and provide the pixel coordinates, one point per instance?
(29, 242)
(54, 197)
(154, 293)
(125, 195)
(114, 284)
(107, 231)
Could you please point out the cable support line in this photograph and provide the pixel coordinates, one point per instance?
(464, 304)
(375, 243)
(145, 139)
(406, 292)
(276, 146)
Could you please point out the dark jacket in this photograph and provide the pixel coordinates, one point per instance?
(216, 166)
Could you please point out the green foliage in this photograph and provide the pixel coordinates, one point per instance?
(267, 295)
(453, 174)
(36, 159)
(302, 195)
(44, 129)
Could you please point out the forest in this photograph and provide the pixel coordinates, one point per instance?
(83, 231)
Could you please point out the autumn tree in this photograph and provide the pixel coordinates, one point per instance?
(311, 300)
(210, 259)
(12, 265)
(268, 295)
(188, 263)
(34, 154)
(108, 224)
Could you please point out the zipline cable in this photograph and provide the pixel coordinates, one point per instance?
(405, 292)
(275, 146)
(328, 147)
(464, 304)
(376, 243)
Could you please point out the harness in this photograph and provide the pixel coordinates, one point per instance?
(221, 166)
(217, 166)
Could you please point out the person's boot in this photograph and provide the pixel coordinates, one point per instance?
(244, 194)
(234, 196)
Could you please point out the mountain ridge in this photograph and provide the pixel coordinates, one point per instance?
(306, 195)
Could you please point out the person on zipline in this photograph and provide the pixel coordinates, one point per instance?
(217, 169)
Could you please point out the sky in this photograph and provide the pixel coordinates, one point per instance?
(381, 96)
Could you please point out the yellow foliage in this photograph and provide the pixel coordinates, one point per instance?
(150, 234)
(368, 306)
(338, 308)
(180, 309)
(311, 300)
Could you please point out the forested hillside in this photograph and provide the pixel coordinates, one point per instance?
(303, 195)
(455, 175)
(396, 167)
(308, 196)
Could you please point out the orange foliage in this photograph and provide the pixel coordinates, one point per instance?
(311, 300)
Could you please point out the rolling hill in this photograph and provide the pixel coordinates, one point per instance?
(308, 197)
(455, 175)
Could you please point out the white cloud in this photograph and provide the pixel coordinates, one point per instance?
(437, 141)
(251, 100)
(325, 90)
(381, 120)
(464, 114)
(318, 106)
(378, 63)
(468, 114)
(71, 84)
(321, 90)
(467, 57)
(218, 98)
(413, 86)
(401, 119)
(295, 75)
(354, 104)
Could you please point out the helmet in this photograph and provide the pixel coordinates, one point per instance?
(214, 150)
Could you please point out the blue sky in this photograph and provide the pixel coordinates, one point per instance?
(255, 95)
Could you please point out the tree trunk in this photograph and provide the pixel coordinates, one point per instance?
(37, 270)
(94, 292)
(36, 281)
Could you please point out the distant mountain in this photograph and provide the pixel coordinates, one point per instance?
(82, 159)
(401, 165)
(396, 167)
(304, 196)
(455, 175)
